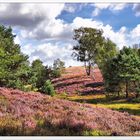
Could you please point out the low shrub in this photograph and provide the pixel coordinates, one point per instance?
(56, 73)
(48, 88)
(136, 100)
(10, 126)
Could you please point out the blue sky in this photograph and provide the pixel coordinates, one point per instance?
(125, 17)
(45, 30)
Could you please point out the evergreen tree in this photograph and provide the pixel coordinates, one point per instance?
(124, 70)
(11, 59)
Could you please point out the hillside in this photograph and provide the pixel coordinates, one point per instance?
(30, 113)
(75, 80)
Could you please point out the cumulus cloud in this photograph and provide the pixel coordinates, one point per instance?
(119, 37)
(136, 8)
(54, 29)
(48, 52)
(39, 22)
(112, 7)
(17, 40)
(135, 35)
(28, 15)
(70, 8)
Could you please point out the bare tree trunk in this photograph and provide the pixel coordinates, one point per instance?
(118, 94)
(87, 68)
(126, 90)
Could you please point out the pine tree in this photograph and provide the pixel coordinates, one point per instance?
(11, 58)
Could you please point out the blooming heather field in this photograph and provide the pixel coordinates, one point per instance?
(75, 81)
(81, 88)
(30, 113)
(33, 113)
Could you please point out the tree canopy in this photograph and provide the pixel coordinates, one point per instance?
(123, 71)
(92, 48)
(11, 58)
(15, 69)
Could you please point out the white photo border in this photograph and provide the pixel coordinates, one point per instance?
(69, 137)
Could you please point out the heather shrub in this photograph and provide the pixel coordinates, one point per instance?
(3, 101)
(63, 95)
(48, 88)
(10, 126)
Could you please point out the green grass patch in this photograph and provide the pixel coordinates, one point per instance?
(95, 133)
(120, 104)
(133, 109)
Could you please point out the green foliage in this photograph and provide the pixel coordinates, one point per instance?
(88, 41)
(48, 88)
(59, 64)
(106, 53)
(58, 68)
(40, 73)
(56, 73)
(92, 48)
(122, 74)
(37, 73)
(136, 100)
(95, 133)
(15, 70)
(11, 59)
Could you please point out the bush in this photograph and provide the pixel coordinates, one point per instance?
(48, 88)
(56, 73)
(16, 84)
(136, 100)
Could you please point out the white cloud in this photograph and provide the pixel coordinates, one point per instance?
(70, 8)
(3, 7)
(112, 7)
(17, 40)
(48, 52)
(136, 31)
(28, 15)
(135, 35)
(28, 49)
(39, 22)
(96, 12)
(136, 8)
(49, 27)
(119, 37)
(54, 28)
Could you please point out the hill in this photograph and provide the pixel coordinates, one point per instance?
(32, 113)
(75, 80)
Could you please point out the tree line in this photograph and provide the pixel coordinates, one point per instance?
(120, 68)
(17, 72)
